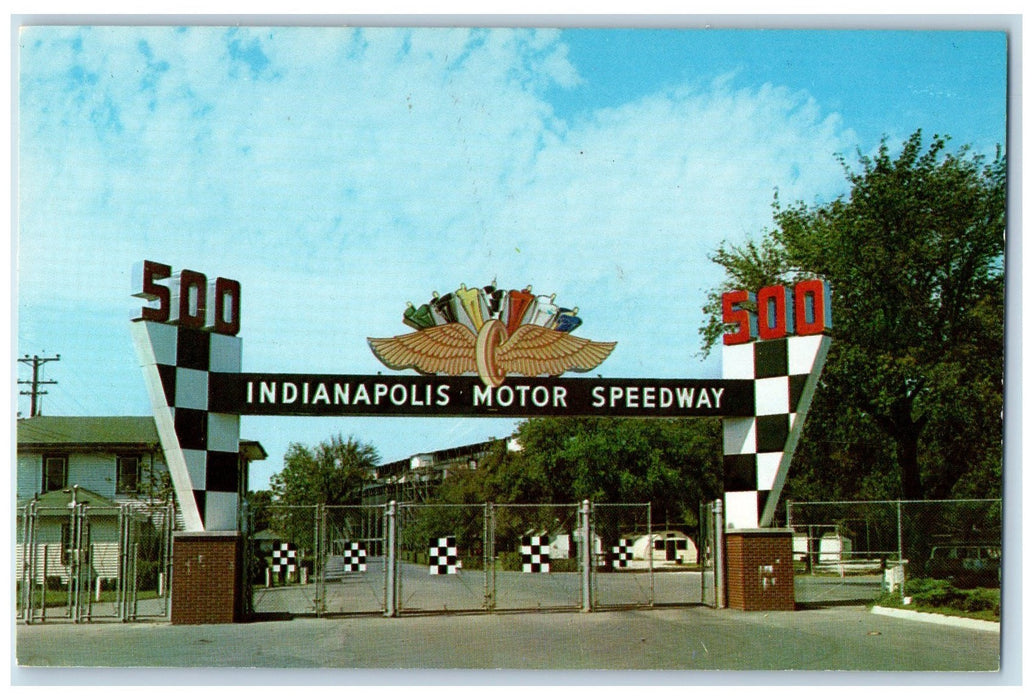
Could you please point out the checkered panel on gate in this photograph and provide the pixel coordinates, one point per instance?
(354, 557)
(621, 554)
(443, 555)
(285, 558)
(534, 554)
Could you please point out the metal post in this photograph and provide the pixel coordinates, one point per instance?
(318, 563)
(810, 549)
(134, 591)
(29, 557)
(67, 554)
(43, 597)
(486, 554)
(586, 557)
(75, 574)
(719, 553)
(88, 569)
(23, 574)
(128, 573)
(494, 559)
(390, 584)
(649, 550)
(900, 550)
(85, 599)
(123, 549)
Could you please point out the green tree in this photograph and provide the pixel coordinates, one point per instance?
(259, 503)
(673, 464)
(332, 473)
(915, 259)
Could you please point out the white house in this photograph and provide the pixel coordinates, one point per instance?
(116, 457)
(104, 462)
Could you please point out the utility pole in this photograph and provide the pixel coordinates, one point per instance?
(34, 393)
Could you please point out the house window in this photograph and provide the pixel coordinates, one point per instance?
(128, 481)
(55, 472)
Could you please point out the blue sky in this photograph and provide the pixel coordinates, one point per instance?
(339, 173)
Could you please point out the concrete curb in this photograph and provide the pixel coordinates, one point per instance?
(967, 623)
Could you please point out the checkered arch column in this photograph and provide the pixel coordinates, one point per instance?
(758, 449)
(202, 448)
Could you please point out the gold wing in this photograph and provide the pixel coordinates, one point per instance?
(534, 350)
(448, 349)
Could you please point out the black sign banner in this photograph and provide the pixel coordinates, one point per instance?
(443, 396)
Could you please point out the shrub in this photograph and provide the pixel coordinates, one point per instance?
(941, 595)
(509, 561)
(147, 575)
(932, 591)
(982, 599)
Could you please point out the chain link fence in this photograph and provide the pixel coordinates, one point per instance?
(413, 558)
(845, 550)
(84, 563)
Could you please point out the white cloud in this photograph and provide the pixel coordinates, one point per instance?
(338, 174)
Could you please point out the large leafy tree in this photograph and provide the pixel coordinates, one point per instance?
(913, 385)
(331, 473)
(672, 464)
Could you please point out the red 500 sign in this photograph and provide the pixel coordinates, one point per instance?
(188, 299)
(803, 309)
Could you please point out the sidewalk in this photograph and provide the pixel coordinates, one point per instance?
(834, 638)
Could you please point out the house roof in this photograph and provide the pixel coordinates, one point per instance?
(89, 432)
(72, 431)
(61, 499)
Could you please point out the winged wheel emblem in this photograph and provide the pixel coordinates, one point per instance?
(492, 333)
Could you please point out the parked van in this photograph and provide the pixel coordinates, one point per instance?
(966, 564)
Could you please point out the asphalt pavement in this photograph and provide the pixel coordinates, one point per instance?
(673, 644)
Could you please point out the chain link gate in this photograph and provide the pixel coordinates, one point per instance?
(281, 553)
(82, 563)
(442, 563)
(351, 562)
(622, 562)
(709, 525)
(534, 556)
(404, 558)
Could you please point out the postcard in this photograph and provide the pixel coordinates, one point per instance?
(510, 347)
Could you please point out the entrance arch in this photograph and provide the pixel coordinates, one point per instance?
(191, 360)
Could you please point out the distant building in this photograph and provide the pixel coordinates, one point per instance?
(414, 479)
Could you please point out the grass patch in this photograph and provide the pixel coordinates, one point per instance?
(940, 596)
(59, 598)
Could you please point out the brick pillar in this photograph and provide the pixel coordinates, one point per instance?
(760, 569)
(207, 578)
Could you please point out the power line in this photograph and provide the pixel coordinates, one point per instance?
(36, 362)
